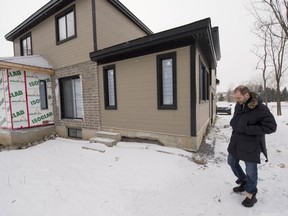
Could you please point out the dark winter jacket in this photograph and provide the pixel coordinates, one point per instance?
(250, 123)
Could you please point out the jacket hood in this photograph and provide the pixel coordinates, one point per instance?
(253, 101)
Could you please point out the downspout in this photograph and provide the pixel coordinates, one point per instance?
(94, 24)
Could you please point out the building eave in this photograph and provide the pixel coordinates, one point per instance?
(54, 6)
(216, 41)
(40, 15)
(170, 39)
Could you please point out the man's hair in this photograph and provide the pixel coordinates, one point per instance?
(242, 89)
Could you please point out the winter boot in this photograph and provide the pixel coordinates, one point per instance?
(239, 188)
(250, 200)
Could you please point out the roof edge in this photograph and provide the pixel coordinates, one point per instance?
(55, 5)
(26, 67)
(130, 15)
(151, 40)
(35, 63)
(41, 14)
(216, 40)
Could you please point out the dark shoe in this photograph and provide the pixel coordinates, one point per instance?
(239, 188)
(249, 202)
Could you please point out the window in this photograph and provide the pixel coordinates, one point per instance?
(110, 87)
(26, 45)
(66, 25)
(75, 133)
(203, 83)
(71, 97)
(166, 80)
(43, 94)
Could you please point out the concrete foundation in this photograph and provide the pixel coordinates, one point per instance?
(171, 140)
(23, 137)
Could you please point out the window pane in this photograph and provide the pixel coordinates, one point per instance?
(70, 24)
(24, 47)
(203, 83)
(29, 48)
(78, 107)
(62, 28)
(43, 94)
(67, 98)
(111, 87)
(76, 133)
(71, 98)
(167, 79)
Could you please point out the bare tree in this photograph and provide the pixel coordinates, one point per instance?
(261, 52)
(277, 52)
(280, 11)
(269, 31)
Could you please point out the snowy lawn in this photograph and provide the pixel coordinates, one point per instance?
(60, 178)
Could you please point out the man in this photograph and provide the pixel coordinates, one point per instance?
(250, 122)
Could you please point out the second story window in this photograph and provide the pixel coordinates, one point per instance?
(26, 45)
(65, 25)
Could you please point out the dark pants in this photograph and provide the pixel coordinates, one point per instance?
(251, 175)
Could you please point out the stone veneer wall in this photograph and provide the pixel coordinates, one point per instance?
(90, 91)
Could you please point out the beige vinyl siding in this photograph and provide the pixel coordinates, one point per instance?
(16, 46)
(213, 78)
(202, 114)
(202, 107)
(213, 90)
(136, 84)
(70, 52)
(113, 27)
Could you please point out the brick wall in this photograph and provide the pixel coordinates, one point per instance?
(89, 75)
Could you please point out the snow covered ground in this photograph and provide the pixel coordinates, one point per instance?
(60, 178)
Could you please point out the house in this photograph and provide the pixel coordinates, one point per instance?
(112, 73)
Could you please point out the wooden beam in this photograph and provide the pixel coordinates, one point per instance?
(10, 65)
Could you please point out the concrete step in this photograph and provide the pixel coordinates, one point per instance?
(107, 141)
(95, 147)
(107, 134)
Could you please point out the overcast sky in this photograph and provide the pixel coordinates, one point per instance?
(237, 64)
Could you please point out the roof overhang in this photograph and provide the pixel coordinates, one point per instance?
(216, 40)
(40, 15)
(199, 31)
(29, 63)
